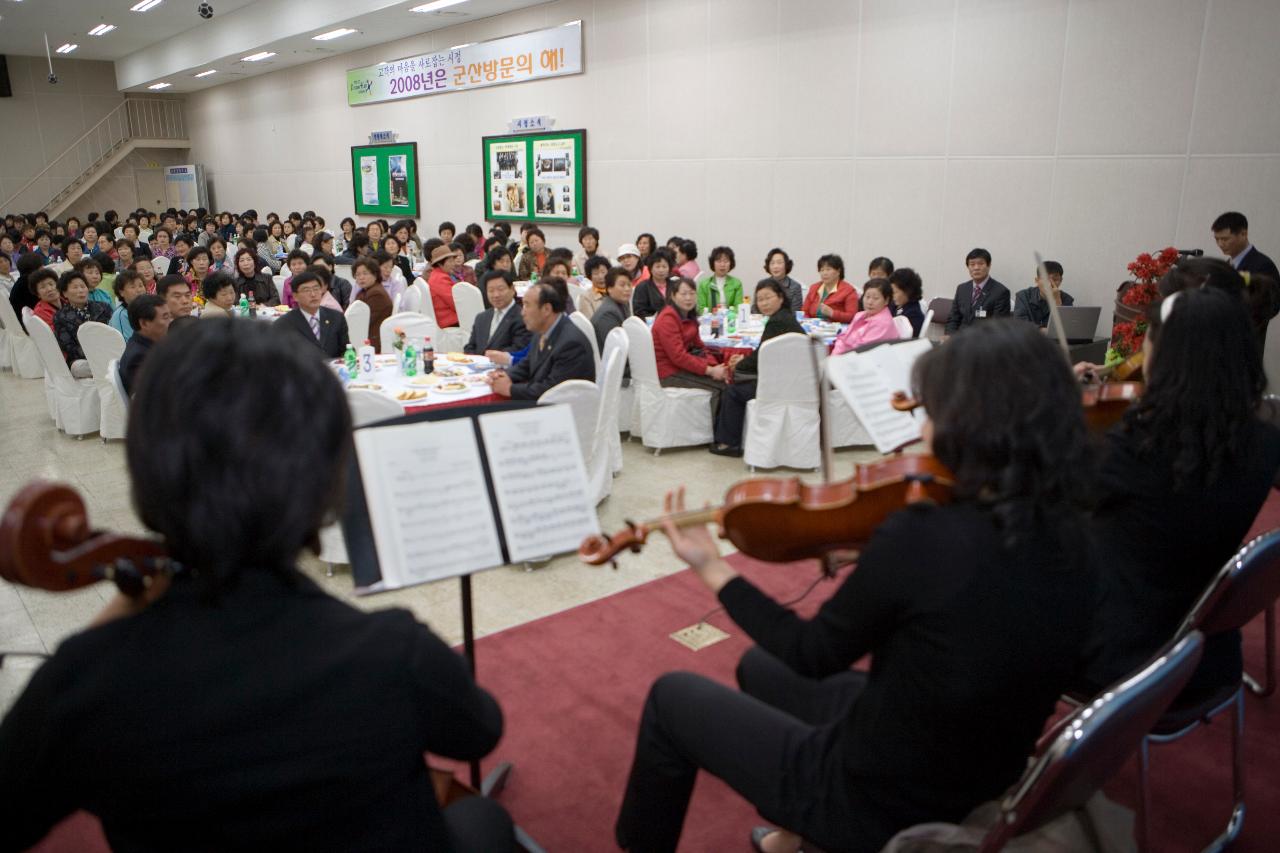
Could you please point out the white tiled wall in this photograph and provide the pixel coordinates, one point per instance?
(1089, 130)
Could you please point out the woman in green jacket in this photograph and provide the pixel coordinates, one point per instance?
(720, 288)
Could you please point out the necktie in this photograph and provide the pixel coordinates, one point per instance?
(315, 325)
(977, 294)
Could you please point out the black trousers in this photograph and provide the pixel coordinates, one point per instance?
(774, 743)
(479, 825)
(733, 412)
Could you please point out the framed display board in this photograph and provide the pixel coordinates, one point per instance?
(384, 179)
(536, 177)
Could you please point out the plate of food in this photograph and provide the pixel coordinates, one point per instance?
(282, 309)
(422, 380)
(459, 358)
(452, 388)
(409, 396)
(367, 386)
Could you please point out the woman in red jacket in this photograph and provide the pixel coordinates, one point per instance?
(677, 346)
(831, 297)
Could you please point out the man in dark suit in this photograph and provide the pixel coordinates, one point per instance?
(558, 351)
(980, 297)
(323, 327)
(149, 316)
(1231, 232)
(1031, 304)
(501, 327)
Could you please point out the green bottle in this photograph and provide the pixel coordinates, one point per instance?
(352, 363)
(243, 307)
(410, 359)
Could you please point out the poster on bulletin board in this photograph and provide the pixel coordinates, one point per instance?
(537, 177)
(384, 179)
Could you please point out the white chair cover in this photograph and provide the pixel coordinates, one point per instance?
(277, 281)
(603, 464)
(113, 371)
(846, 429)
(75, 400)
(103, 345)
(428, 307)
(584, 398)
(584, 325)
(469, 303)
(411, 301)
(905, 332)
(414, 326)
(342, 271)
(22, 352)
(668, 417)
(50, 398)
(397, 302)
(473, 262)
(926, 325)
(782, 425)
(160, 265)
(357, 323)
(616, 340)
(5, 356)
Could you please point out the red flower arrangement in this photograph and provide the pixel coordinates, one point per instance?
(1130, 327)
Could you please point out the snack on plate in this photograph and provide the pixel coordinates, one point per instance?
(459, 358)
(368, 386)
(452, 387)
(282, 309)
(407, 396)
(422, 380)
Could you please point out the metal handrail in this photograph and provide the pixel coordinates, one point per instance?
(134, 118)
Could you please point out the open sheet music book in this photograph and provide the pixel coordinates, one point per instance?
(458, 493)
(868, 380)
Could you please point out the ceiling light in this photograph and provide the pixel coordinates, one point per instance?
(144, 5)
(206, 73)
(67, 48)
(159, 85)
(258, 57)
(436, 4)
(102, 29)
(334, 34)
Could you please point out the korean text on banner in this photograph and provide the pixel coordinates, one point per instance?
(552, 52)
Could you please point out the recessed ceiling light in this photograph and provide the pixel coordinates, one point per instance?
(206, 73)
(334, 34)
(102, 29)
(159, 85)
(144, 5)
(67, 48)
(436, 4)
(258, 57)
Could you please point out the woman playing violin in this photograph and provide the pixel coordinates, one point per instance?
(974, 614)
(245, 708)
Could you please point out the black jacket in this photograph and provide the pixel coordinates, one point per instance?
(609, 316)
(333, 330)
(994, 300)
(510, 336)
(264, 289)
(647, 300)
(567, 355)
(914, 313)
(780, 323)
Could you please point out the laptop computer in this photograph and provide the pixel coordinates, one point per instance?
(1079, 323)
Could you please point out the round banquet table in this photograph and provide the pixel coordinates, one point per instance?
(449, 367)
(747, 338)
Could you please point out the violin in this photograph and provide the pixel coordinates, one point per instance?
(46, 542)
(782, 519)
(1104, 405)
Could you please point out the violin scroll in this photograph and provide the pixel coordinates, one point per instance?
(598, 550)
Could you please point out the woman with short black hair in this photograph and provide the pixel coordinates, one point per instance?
(77, 310)
(682, 360)
(650, 295)
(778, 265)
(908, 290)
(250, 280)
(831, 297)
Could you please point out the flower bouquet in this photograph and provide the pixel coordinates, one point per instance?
(1130, 326)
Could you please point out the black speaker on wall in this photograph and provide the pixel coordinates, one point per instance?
(6, 91)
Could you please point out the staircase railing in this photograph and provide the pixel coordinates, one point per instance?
(134, 118)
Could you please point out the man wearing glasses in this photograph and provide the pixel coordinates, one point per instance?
(323, 327)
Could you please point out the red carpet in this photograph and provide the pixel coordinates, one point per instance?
(572, 686)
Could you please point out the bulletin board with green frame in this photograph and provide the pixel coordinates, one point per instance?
(384, 179)
(536, 177)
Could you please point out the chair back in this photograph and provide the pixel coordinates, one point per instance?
(277, 281)
(924, 326)
(160, 265)
(644, 364)
(55, 363)
(576, 291)
(397, 303)
(905, 330)
(411, 300)
(615, 340)
(357, 314)
(787, 370)
(342, 271)
(1087, 748)
(584, 326)
(101, 344)
(610, 382)
(414, 326)
(1247, 585)
(583, 398)
(473, 263)
(8, 318)
(426, 305)
(468, 302)
(371, 406)
(113, 371)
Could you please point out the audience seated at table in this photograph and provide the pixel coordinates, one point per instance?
(979, 298)
(77, 309)
(908, 290)
(339, 287)
(199, 261)
(683, 361)
(595, 269)
(500, 327)
(615, 308)
(369, 290)
(250, 281)
(534, 257)
(719, 289)
(628, 257)
(831, 298)
(44, 285)
(127, 286)
(773, 301)
(650, 295)
(558, 351)
(322, 328)
(327, 298)
(1030, 303)
(297, 262)
(72, 252)
(686, 253)
(880, 267)
(393, 247)
(392, 278)
(444, 262)
(357, 247)
(264, 253)
(219, 292)
(874, 323)
(778, 264)
(23, 294)
(149, 317)
(176, 293)
(589, 243)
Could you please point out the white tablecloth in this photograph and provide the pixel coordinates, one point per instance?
(391, 382)
(748, 336)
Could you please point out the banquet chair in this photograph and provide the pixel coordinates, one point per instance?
(924, 326)
(342, 271)
(782, 421)
(668, 417)
(50, 398)
(473, 262)
(117, 383)
(905, 330)
(583, 398)
(277, 281)
(413, 324)
(357, 315)
(102, 345)
(411, 301)
(469, 303)
(584, 326)
(601, 463)
(1244, 587)
(6, 357)
(428, 307)
(617, 340)
(160, 265)
(77, 409)
(1072, 762)
(23, 357)
(397, 303)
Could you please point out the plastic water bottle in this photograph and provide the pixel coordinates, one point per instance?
(410, 359)
(243, 307)
(428, 357)
(351, 361)
(704, 326)
(731, 323)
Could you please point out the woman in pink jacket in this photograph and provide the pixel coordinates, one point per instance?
(873, 323)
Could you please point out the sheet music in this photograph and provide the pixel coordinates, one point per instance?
(428, 505)
(540, 480)
(868, 380)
